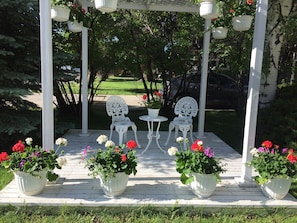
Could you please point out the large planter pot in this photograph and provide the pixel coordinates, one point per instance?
(29, 184)
(114, 186)
(106, 5)
(208, 9)
(203, 185)
(153, 113)
(276, 188)
(219, 32)
(60, 13)
(75, 26)
(242, 22)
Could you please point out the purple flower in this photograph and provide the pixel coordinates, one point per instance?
(272, 151)
(261, 149)
(208, 152)
(284, 150)
(22, 163)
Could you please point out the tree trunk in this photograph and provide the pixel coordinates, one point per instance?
(277, 13)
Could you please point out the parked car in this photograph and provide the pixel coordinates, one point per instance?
(222, 90)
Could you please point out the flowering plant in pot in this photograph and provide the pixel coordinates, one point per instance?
(196, 159)
(276, 167)
(114, 159)
(248, 7)
(271, 161)
(31, 159)
(153, 102)
(78, 13)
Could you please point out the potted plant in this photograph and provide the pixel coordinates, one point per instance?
(197, 166)
(60, 10)
(78, 17)
(208, 8)
(153, 103)
(106, 5)
(276, 168)
(112, 165)
(222, 23)
(243, 14)
(33, 165)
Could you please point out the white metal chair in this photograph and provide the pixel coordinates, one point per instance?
(117, 108)
(186, 108)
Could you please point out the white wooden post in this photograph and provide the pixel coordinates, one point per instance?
(46, 55)
(204, 73)
(84, 131)
(253, 92)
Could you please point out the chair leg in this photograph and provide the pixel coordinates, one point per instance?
(171, 127)
(121, 129)
(134, 128)
(191, 133)
(111, 129)
(184, 129)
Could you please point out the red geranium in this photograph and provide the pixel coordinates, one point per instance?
(3, 156)
(124, 157)
(197, 146)
(18, 147)
(131, 144)
(267, 144)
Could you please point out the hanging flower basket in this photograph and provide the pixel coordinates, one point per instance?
(75, 26)
(242, 22)
(208, 9)
(60, 13)
(106, 5)
(219, 32)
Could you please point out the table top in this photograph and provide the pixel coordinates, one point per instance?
(149, 119)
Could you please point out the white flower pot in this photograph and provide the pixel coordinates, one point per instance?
(60, 13)
(28, 184)
(276, 188)
(75, 26)
(203, 185)
(208, 9)
(153, 113)
(219, 32)
(242, 22)
(106, 5)
(114, 186)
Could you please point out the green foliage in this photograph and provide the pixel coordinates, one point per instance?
(281, 117)
(272, 162)
(31, 159)
(78, 13)
(111, 160)
(197, 160)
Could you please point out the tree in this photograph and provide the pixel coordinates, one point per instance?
(19, 65)
(279, 12)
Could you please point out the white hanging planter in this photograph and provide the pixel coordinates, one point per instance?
(75, 26)
(242, 22)
(276, 188)
(219, 32)
(106, 5)
(208, 9)
(60, 13)
(204, 184)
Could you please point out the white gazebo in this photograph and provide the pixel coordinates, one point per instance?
(155, 5)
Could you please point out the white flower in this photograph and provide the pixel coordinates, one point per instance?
(179, 139)
(254, 152)
(101, 139)
(200, 143)
(29, 141)
(172, 151)
(109, 144)
(61, 142)
(61, 161)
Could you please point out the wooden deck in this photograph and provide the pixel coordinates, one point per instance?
(156, 183)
